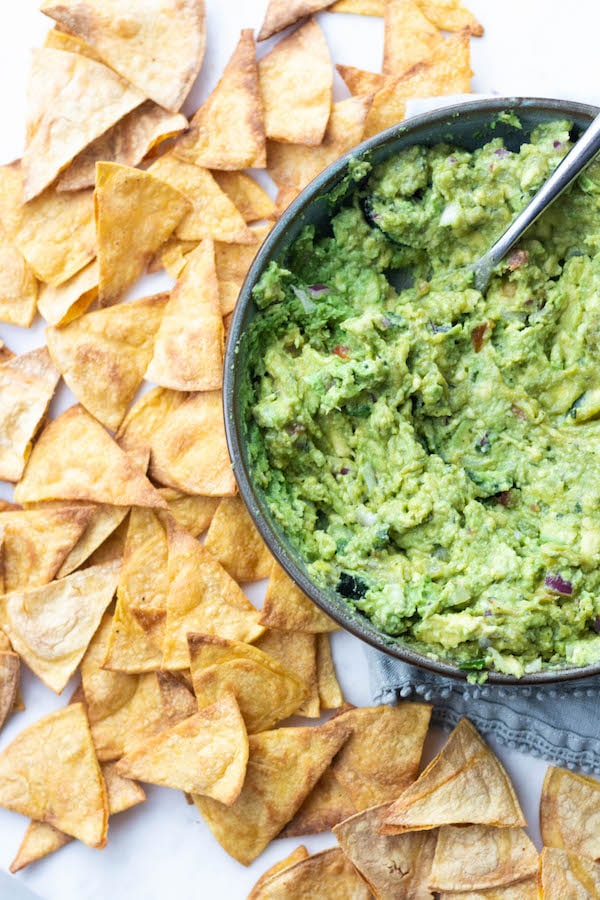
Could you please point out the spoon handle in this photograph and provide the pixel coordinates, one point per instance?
(578, 157)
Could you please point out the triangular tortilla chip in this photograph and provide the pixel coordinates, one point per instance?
(246, 194)
(188, 351)
(288, 608)
(37, 542)
(359, 81)
(395, 865)
(286, 194)
(127, 143)
(51, 628)
(297, 75)
(18, 286)
(212, 213)
(408, 36)
(520, 890)
(281, 13)
(330, 692)
(189, 450)
(135, 213)
(63, 40)
(139, 426)
(56, 233)
(265, 690)
(103, 355)
(327, 804)
(172, 256)
(202, 598)
(478, 857)
(283, 766)
(234, 540)
(194, 514)
(71, 100)
(232, 262)
(563, 876)
(76, 459)
(325, 874)
(450, 15)
(228, 132)
(158, 47)
(59, 305)
(295, 856)
(9, 683)
(359, 7)
(27, 384)
(50, 773)
(205, 754)
(297, 651)
(296, 165)
(569, 811)
(103, 521)
(464, 784)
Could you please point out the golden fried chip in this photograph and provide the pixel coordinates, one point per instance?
(233, 539)
(477, 857)
(395, 865)
(408, 36)
(103, 355)
(139, 426)
(288, 608)
(569, 811)
(76, 459)
(464, 784)
(172, 256)
(296, 164)
(297, 651)
(205, 754)
(520, 890)
(56, 233)
(446, 71)
(327, 804)
(227, 132)
(158, 47)
(212, 213)
(297, 75)
(246, 194)
(127, 143)
(232, 262)
(359, 81)
(330, 693)
(295, 856)
(265, 690)
(286, 194)
(27, 384)
(189, 450)
(135, 214)
(63, 40)
(18, 286)
(450, 15)
(563, 876)
(50, 626)
(9, 683)
(50, 773)
(326, 874)
(193, 513)
(62, 304)
(188, 351)
(103, 522)
(71, 101)
(281, 13)
(283, 767)
(202, 598)
(359, 7)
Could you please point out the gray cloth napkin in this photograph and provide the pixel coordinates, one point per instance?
(560, 722)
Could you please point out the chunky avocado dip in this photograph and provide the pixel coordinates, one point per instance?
(432, 453)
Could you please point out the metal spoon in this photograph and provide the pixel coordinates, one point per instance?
(578, 157)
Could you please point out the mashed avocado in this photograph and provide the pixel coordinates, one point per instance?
(433, 453)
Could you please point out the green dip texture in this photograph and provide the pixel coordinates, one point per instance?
(433, 453)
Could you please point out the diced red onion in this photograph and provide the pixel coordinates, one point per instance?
(344, 470)
(317, 290)
(501, 151)
(555, 582)
(596, 624)
(304, 299)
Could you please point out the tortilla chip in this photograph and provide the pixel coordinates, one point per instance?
(9, 683)
(18, 286)
(325, 874)
(234, 540)
(232, 262)
(202, 598)
(388, 106)
(330, 693)
(297, 75)
(564, 875)
(246, 194)
(27, 384)
(408, 36)
(50, 627)
(212, 212)
(194, 514)
(464, 784)
(37, 542)
(205, 754)
(76, 459)
(298, 653)
(103, 521)
(189, 450)
(227, 132)
(265, 690)
(288, 608)
(111, 548)
(50, 773)
(188, 351)
(296, 165)
(126, 143)
(295, 856)
(283, 767)
(61, 40)
(477, 857)
(327, 804)
(520, 890)
(359, 7)
(450, 15)
(56, 233)
(281, 13)
(395, 865)
(158, 47)
(172, 257)
(139, 426)
(286, 195)
(71, 100)
(569, 810)
(135, 213)
(62, 304)
(359, 81)
(446, 71)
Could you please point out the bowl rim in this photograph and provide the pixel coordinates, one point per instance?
(357, 624)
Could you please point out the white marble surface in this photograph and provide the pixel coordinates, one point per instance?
(162, 849)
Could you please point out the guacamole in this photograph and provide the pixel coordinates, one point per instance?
(434, 453)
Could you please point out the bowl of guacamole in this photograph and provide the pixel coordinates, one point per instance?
(424, 459)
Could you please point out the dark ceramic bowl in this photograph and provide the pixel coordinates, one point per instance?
(468, 125)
